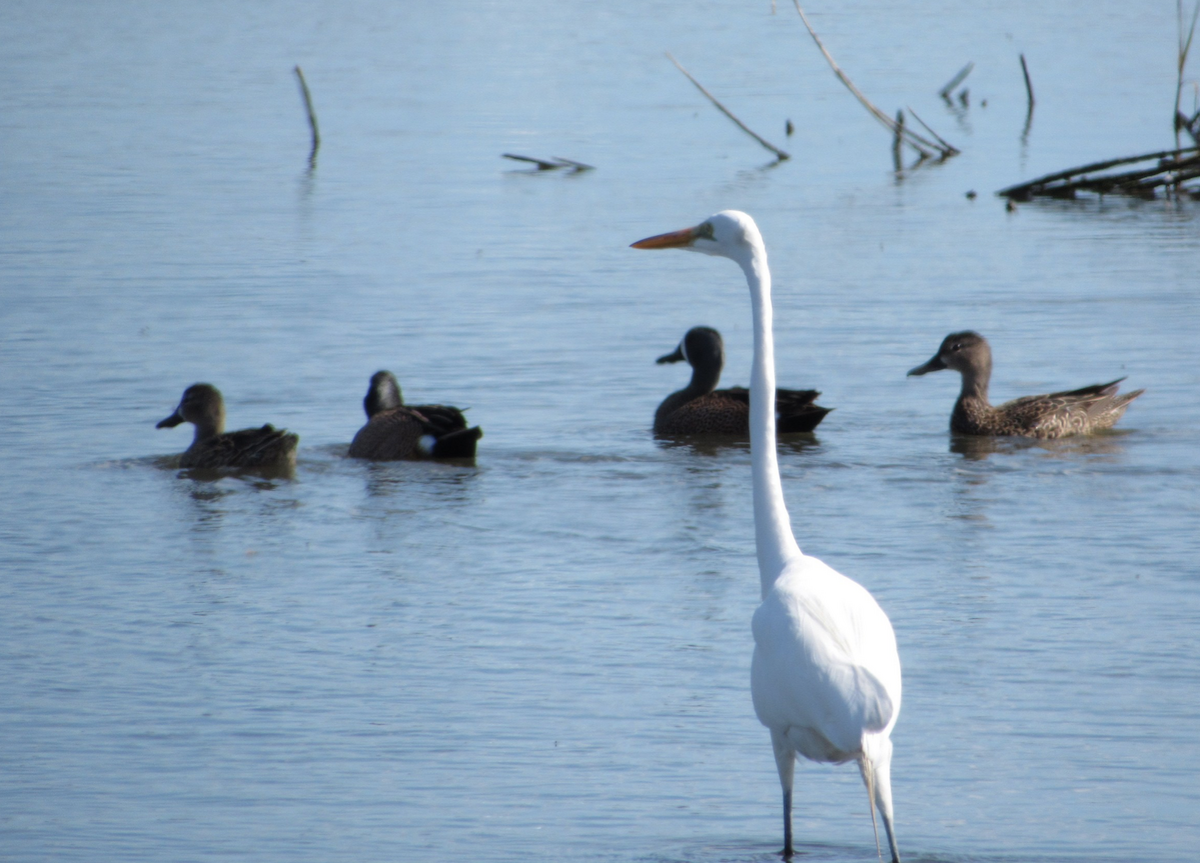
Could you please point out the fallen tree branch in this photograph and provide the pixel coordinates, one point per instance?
(1169, 168)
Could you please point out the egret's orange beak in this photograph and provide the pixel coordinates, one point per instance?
(673, 240)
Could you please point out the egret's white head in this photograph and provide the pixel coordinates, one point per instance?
(728, 234)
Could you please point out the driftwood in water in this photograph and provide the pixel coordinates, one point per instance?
(921, 144)
(1169, 169)
(779, 154)
(554, 164)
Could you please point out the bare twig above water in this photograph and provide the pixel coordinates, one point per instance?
(1030, 101)
(1028, 83)
(956, 80)
(1168, 169)
(922, 145)
(780, 154)
(940, 140)
(1185, 45)
(312, 117)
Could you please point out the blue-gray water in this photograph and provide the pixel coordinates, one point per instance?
(546, 656)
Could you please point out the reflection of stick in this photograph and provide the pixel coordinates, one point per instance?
(1028, 85)
(922, 145)
(312, 115)
(778, 152)
(956, 80)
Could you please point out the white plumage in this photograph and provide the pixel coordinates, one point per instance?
(825, 678)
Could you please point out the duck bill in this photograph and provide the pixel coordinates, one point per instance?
(171, 421)
(673, 240)
(672, 358)
(934, 365)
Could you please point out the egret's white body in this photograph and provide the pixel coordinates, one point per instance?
(825, 678)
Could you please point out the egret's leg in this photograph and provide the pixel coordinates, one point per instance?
(787, 823)
(881, 767)
(785, 762)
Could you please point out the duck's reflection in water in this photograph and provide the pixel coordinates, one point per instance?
(716, 445)
(979, 447)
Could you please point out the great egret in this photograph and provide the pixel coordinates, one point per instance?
(825, 677)
(213, 447)
(702, 409)
(395, 431)
(1053, 415)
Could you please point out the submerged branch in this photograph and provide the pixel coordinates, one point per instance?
(1028, 83)
(550, 164)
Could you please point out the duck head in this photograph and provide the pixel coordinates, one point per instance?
(203, 407)
(704, 351)
(966, 352)
(383, 394)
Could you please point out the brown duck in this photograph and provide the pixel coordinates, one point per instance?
(702, 409)
(1053, 415)
(395, 431)
(213, 447)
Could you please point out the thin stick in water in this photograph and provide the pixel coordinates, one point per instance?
(956, 80)
(922, 145)
(780, 154)
(898, 142)
(312, 115)
(1185, 45)
(947, 147)
(1028, 84)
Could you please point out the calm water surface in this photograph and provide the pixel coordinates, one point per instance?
(545, 655)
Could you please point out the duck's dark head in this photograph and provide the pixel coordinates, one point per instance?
(701, 346)
(704, 350)
(202, 406)
(383, 394)
(967, 353)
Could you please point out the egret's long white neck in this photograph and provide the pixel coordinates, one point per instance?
(772, 528)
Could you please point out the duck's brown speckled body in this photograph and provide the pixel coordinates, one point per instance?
(702, 409)
(399, 432)
(213, 447)
(1053, 415)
